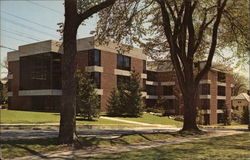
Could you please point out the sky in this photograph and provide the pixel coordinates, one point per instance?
(29, 21)
(23, 22)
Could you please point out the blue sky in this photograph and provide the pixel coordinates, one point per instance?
(24, 22)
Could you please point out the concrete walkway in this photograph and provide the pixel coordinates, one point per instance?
(138, 123)
(90, 152)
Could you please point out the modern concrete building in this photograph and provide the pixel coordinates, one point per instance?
(35, 78)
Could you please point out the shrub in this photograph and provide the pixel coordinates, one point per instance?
(87, 100)
(126, 99)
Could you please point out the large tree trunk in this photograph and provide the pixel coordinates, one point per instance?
(67, 133)
(190, 111)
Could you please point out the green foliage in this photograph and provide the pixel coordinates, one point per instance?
(87, 100)
(226, 116)
(245, 116)
(126, 99)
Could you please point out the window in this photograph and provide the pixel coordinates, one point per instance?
(96, 76)
(205, 89)
(151, 76)
(94, 57)
(168, 90)
(151, 90)
(221, 77)
(122, 80)
(144, 66)
(221, 91)
(220, 118)
(221, 104)
(123, 62)
(205, 103)
(170, 104)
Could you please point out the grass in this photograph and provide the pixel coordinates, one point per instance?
(13, 116)
(228, 147)
(152, 119)
(19, 148)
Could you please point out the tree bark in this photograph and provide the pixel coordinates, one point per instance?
(67, 132)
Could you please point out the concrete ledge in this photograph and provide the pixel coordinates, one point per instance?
(10, 94)
(169, 97)
(219, 111)
(205, 96)
(221, 84)
(122, 72)
(205, 81)
(99, 91)
(144, 94)
(152, 83)
(168, 83)
(143, 76)
(42, 92)
(93, 69)
(151, 97)
(205, 111)
(221, 97)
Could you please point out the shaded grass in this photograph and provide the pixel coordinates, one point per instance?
(19, 148)
(152, 119)
(228, 147)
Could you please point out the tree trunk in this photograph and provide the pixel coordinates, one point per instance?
(67, 133)
(190, 109)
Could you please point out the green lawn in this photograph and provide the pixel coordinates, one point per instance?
(228, 147)
(152, 119)
(19, 148)
(12, 116)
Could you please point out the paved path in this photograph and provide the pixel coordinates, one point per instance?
(90, 152)
(102, 133)
(139, 123)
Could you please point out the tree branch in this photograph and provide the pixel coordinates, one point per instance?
(94, 9)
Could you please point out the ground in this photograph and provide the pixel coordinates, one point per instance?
(146, 137)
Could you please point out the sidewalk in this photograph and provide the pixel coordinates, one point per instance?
(90, 152)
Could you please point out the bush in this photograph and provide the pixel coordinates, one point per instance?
(126, 99)
(245, 116)
(87, 100)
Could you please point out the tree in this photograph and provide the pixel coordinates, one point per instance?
(76, 11)
(185, 31)
(87, 100)
(133, 99)
(240, 84)
(114, 107)
(126, 99)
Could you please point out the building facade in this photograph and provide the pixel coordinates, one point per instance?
(35, 72)
(34, 78)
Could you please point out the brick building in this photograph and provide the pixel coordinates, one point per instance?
(35, 78)
(214, 93)
(35, 72)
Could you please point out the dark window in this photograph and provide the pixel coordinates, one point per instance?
(144, 66)
(221, 91)
(94, 57)
(40, 71)
(168, 90)
(220, 118)
(170, 104)
(9, 84)
(151, 90)
(206, 119)
(123, 62)
(122, 80)
(96, 76)
(221, 77)
(144, 85)
(151, 76)
(205, 103)
(221, 104)
(205, 89)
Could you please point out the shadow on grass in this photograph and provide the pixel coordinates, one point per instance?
(83, 119)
